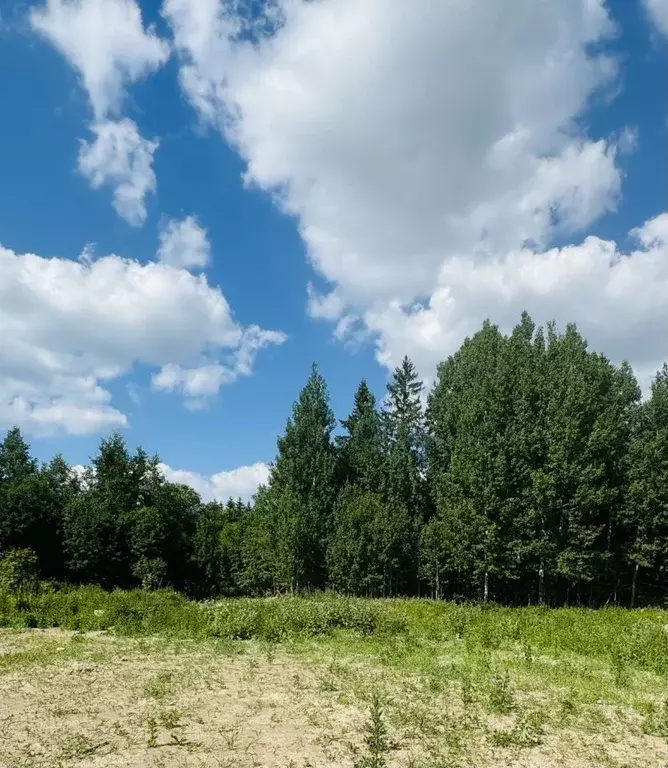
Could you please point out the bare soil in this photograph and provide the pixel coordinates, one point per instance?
(101, 701)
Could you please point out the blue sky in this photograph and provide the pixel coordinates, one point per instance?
(368, 185)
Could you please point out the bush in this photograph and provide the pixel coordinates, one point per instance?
(291, 617)
(19, 571)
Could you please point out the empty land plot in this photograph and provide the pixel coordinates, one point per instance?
(465, 695)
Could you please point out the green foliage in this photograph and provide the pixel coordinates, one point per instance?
(217, 547)
(297, 506)
(371, 547)
(375, 738)
(351, 556)
(404, 482)
(19, 571)
(528, 455)
(501, 697)
(360, 450)
(535, 476)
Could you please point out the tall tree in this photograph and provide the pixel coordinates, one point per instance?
(405, 437)
(130, 527)
(586, 409)
(646, 513)
(305, 469)
(360, 448)
(467, 420)
(405, 487)
(16, 463)
(217, 548)
(32, 499)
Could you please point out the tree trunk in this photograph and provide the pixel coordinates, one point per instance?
(633, 585)
(541, 586)
(485, 593)
(438, 583)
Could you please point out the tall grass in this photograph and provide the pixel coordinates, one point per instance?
(622, 637)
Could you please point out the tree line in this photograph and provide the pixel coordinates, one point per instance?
(532, 472)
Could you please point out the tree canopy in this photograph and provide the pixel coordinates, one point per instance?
(532, 472)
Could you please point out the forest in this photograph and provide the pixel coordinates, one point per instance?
(533, 472)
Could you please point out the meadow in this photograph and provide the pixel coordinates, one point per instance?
(95, 678)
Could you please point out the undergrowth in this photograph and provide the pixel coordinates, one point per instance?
(621, 639)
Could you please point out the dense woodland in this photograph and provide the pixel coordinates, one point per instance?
(535, 474)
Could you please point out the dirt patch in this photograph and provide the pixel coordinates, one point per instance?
(100, 701)
(124, 703)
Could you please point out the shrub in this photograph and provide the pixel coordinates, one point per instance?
(19, 571)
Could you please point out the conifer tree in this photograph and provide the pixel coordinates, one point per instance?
(405, 490)
(360, 449)
(305, 470)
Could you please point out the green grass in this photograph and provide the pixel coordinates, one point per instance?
(625, 640)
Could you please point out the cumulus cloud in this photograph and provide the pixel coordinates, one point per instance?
(205, 380)
(184, 244)
(69, 327)
(106, 42)
(241, 482)
(414, 149)
(617, 297)
(658, 12)
(119, 157)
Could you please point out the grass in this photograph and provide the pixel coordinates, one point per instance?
(331, 681)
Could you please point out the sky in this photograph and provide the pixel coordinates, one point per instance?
(200, 198)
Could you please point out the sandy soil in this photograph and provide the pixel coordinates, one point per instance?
(97, 701)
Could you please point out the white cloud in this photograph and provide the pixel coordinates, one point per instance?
(414, 148)
(242, 482)
(69, 327)
(205, 380)
(119, 157)
(105, 41)
(184, 244)
(658, 11)
(397, 137)
(194, 382)
(619, 299)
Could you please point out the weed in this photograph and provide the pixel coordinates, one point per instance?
(468, 692)
(655, 722)
(377, 744)
(178, 741)
(79, 746)
(152, 727)
(528, 653)
(170, 718)
(160, 686)
(529, 729)
(526, 732)
(327, 684)
(231, 738)
(619, 662)
(501, 697)
(567, 709)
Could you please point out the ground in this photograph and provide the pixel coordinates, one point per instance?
(96, 700)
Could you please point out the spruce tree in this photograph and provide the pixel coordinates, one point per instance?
(405, 488)
(305, 470)
(16, 463)
(360, 449)
(405, 439)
